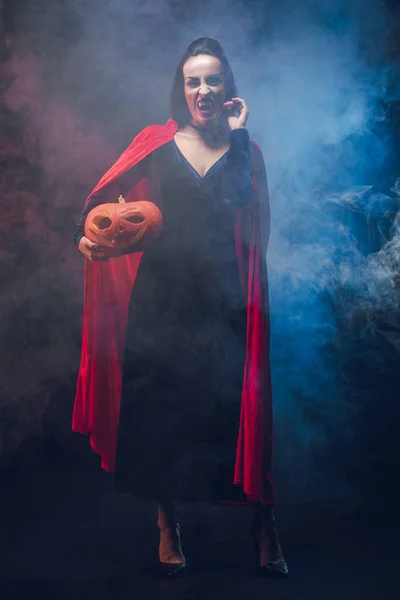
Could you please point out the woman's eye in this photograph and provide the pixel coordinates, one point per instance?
(214, 80)
(193, 83)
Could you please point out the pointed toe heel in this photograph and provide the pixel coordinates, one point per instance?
(172, 570)
(275, 568)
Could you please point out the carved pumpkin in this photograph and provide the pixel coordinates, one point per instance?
(123, 224)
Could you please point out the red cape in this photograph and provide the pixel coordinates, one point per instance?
(107, 292)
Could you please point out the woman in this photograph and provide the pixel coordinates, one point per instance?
(194, 420)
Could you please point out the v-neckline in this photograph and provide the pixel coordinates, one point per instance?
(192, 167)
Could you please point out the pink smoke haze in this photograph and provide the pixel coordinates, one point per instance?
(57, 137)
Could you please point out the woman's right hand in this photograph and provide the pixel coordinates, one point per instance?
(91, 250)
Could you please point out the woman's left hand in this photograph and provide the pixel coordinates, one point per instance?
(238, 113)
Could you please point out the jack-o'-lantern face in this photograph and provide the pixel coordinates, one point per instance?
(123, 224)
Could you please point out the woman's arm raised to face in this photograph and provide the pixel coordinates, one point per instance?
(258, 169)
(238, 188)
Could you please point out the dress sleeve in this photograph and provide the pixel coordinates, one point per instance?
(111, 193)
(257, 166)
(237, 187)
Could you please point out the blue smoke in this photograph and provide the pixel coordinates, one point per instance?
(324, 92)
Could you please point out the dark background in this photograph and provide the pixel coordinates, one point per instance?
(77, 81)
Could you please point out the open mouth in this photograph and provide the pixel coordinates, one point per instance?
(205, 106)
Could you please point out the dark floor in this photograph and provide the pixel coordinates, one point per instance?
(72, 537)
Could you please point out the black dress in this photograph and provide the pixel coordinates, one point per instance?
(185, 343)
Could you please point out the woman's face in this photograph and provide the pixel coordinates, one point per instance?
(204, 88)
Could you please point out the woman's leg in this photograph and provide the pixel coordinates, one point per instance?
(263, 530)
(170, 550)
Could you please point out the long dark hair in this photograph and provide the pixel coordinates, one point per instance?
(178, 107)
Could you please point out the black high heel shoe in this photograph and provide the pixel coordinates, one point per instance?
(170, 570)
(263, 531)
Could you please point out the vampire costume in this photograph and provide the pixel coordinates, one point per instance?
(174, 383)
